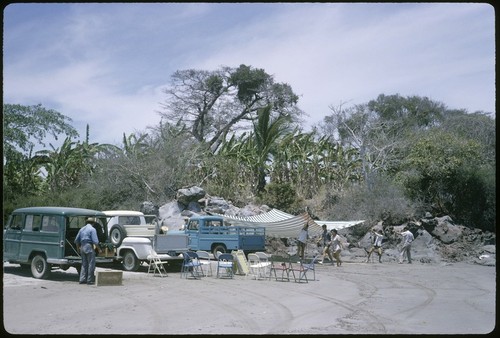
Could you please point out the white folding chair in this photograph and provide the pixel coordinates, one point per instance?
(156, 264)
(254, 266)
(265, 261)
(205, 259)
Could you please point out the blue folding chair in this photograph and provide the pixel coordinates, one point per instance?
(225, 266)
(191, 266)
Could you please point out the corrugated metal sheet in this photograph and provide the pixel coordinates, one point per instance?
(282, 224)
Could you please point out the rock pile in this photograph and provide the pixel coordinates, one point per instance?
(437, 239)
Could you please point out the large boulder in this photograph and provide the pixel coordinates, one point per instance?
(170, 215)
(191, 194)
(446, 231)
(217, 205)
(148, 208)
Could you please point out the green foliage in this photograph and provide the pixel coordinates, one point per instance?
(23, 124)
(390, 159)
(22, 127)
(281, 196)
(474, 196)
(430, 170)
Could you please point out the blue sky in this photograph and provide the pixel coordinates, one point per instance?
(105, 64)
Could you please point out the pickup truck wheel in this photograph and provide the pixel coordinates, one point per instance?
(220, 248)
(117, 234)
(40, 269)
(130, 262)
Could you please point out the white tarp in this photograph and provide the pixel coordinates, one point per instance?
(282, 224)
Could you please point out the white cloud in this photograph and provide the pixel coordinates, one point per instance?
(105, 64)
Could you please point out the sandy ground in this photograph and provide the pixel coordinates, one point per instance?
(356, 298)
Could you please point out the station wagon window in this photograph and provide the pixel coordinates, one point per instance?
(33, 223)
(17, 222)
(50, 224)
(76, 222)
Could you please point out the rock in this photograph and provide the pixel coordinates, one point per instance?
(192, 194)
(148, 208)
(217, 205)
(170, 215)
(446, 231)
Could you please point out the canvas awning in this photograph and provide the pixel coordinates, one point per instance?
(282, 224)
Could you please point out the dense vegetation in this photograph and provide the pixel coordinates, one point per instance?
(237, 133)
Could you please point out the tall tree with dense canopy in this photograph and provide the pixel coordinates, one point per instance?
(212, 104)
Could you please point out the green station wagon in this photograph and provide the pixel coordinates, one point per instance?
(43, 238)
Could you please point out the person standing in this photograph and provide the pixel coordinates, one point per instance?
(406, 250)
(86, 241)
(302, 240)
(325, 241)
(376, 245)
(336, 246)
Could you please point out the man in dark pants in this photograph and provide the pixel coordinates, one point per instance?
(86, 241)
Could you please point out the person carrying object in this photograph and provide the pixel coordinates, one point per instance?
(376, 245)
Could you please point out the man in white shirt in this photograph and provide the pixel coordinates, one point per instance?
(405, 251)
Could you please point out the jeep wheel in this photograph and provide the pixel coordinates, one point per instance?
(40, 269)
(117, 234)
(130, 262)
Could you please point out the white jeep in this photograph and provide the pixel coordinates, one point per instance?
(126, 223)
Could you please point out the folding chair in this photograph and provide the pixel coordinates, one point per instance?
(265, 261)
(156, 264)
(302, 269)
(204, 259)
(255, 266)
(277, 267)
(225, 266)
(191, 266)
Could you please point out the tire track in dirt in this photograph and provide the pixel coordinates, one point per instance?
(394, 283)
(257, 312)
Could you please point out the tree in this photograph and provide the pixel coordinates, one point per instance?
(435, 166)
(22, 125)
(211, 104)
(23, 128)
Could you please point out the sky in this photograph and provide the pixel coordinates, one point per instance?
(106, 64)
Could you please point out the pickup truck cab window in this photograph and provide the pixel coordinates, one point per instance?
(193, 225)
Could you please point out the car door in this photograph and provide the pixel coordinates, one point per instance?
(12, 237)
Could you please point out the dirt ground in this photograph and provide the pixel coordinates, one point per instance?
(356, 298)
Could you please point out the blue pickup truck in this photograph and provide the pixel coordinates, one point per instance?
(210, 233)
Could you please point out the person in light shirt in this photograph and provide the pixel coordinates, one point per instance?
(302, 240)
(336, 246)
(406, 250)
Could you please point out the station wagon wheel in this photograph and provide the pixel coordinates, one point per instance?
(39, 267)
(117, 234)
(130, 262)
